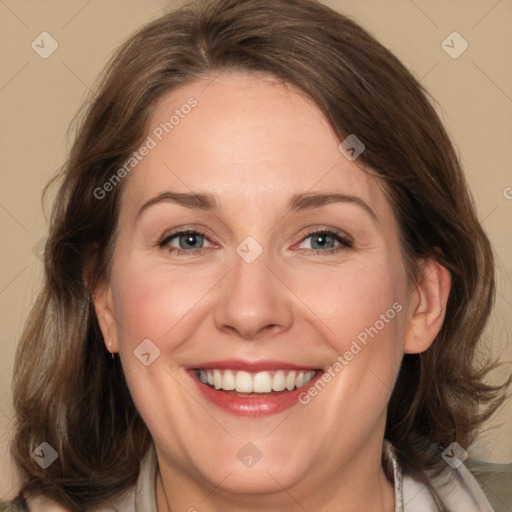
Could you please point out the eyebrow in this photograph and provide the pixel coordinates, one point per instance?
(299, 202)
(197, 200)
(313, 200)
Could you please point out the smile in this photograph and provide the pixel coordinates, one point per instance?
(253, 389)
(260, 382)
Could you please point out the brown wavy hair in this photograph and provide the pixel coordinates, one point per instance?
(67, 390)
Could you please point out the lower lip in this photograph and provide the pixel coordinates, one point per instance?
(256, 406)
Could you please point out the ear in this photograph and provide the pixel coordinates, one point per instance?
(427, 306)
(105, 312)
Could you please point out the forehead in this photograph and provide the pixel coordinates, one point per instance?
(250, 141)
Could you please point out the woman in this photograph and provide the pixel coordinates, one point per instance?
(265, 281)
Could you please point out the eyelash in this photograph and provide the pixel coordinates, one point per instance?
(345, 243)
(163, 243)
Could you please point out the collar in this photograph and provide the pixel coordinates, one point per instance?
(394, 473)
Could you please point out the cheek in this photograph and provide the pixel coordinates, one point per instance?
(361, 314)
(359, 302)
(153, 300)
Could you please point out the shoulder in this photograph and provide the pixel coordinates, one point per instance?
(140, 497)
(472, 487)
(44, 504)
(39, 504)
(457, 488)
(495, 480)
(16, 505)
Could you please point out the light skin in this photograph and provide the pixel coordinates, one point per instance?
(253, 144)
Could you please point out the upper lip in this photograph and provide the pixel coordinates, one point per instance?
(251, 366)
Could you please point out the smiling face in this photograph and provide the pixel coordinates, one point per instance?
(288, 268)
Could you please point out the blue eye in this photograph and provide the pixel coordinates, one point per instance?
(190, 241)
(322, 241)
(184, 241)
(325, 241)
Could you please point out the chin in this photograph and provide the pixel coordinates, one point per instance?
(255, 482)
(257, 476)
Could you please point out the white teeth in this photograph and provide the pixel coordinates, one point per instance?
(279, 381)
(260, 382)
(217, 379)
(243, 382)
(228, 380)
(290, 380)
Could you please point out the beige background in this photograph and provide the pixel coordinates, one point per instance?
(38, 98)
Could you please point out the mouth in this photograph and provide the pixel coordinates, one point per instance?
(248, 392)
(240, 382)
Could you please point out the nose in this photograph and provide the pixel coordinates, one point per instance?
(255, 302)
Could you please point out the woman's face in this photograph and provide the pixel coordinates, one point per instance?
(289, 269)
